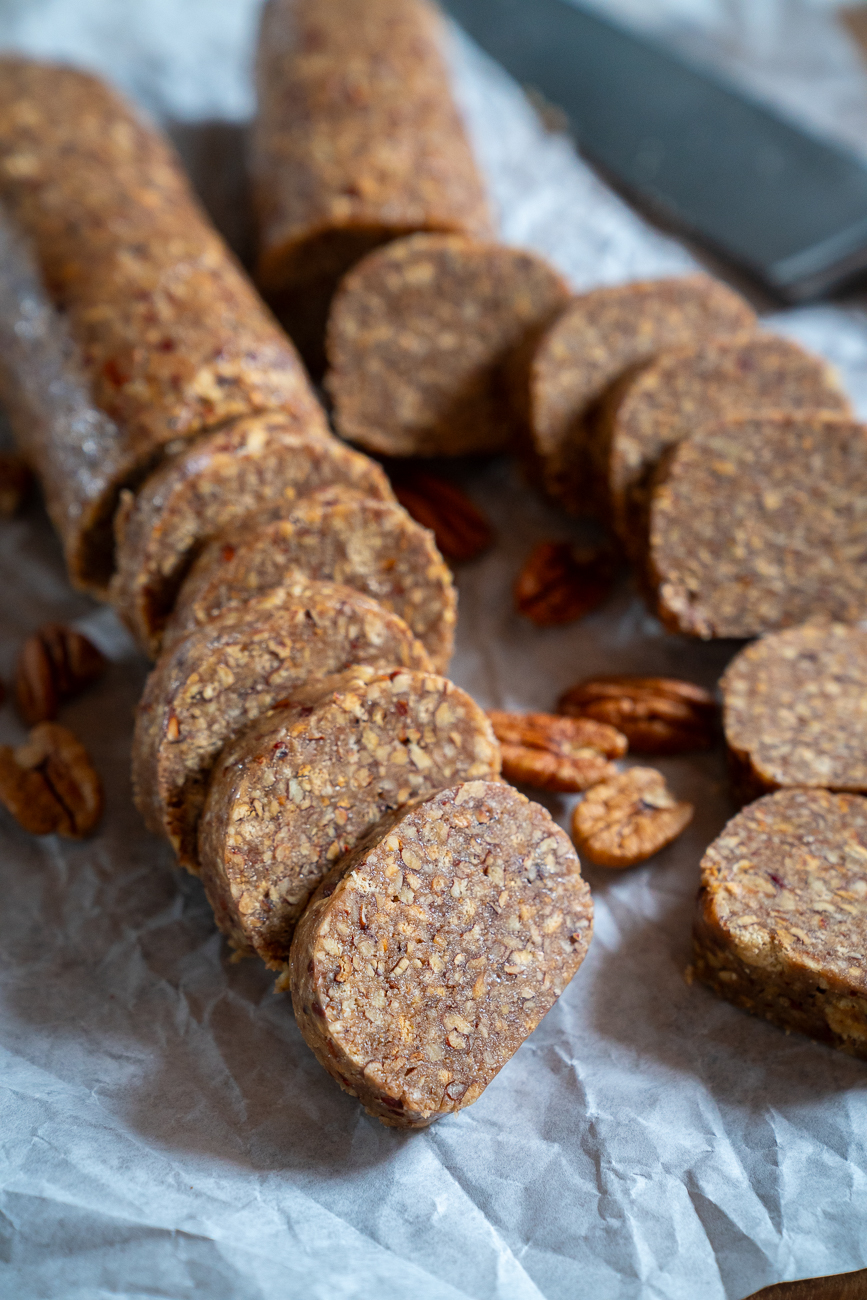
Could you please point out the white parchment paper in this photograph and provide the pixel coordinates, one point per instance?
(164, 1131)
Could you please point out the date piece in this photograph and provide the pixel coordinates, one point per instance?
(49, 784)
(554, 753)
(55, 663)
(460, 529)
(430, 953)
(16, 480)
(621, 822)
(658, 715)
(561, 582)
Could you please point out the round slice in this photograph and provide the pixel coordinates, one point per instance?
(430, 953)
(795, 710)
(372, 546)
(220, 678)
(417, 337)
(254, 469)
(599, 336)
(759, 524)
(302, 785)
(686, 388)
(781, 921)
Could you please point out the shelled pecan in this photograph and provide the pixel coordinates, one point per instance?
(561, 582)
(658, 715)
(16, 481)
(48, 784)
(461, 530)
(55, 663)
(555, 753)
(621, 822)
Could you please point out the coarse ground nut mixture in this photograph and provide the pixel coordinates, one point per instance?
(418, 335)
(759, 524)
(254, 470)
(781, 920)
(336, 535)
(428, 955)
(132, 299)
(599, 336)
(795, 710)
(302, 785)
(357, 140)
(684, 388)
(223, 676)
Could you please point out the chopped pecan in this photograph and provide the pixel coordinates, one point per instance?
(658, 715)
(561, 582)
(16, 481)
(555, 753)
(623, 821)
(460, 529)
(54, 664)
(48, 784)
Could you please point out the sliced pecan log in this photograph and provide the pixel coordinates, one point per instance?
(16, 481)
(561, 582)
(658, 715)
(460, 529)
(555, 753)
(48, 784)
(55, 663)
(623, 821)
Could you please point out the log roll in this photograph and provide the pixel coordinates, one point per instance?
(139, 331)
(357, 140)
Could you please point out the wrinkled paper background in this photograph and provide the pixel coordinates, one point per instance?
(164, 1131)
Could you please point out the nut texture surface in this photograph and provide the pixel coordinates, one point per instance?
(621, 822)
(220, 678)
(658, 715)
(555, 753)
(760, 524)
(336, 535)
(430, 953)
(49, 784)
(781, 918)
(303, 784)
(417, 337)
(561, 582)
(460, 529)
(54, 664)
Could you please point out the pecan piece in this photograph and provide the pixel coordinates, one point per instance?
(555, 753)
(658, 715)
(561, 582)
(16, 481)
(48, 784)
(460, 529)
(621, 822)
(54, 664)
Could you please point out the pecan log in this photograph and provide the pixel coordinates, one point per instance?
(16, 481)
(623, 821)
(658, 715)
(48, 784)
(555, 753)
(54, 664)
(562, 582)
(460, 529)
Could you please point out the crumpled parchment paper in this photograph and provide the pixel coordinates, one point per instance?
(164, 1131)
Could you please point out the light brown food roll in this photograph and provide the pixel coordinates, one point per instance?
(429, 954)
(255, 470)
(335, 534)
(418, 337)
(357, 140)
(781, 920)
(304, 783)
(126, 326)
(601, 334)
(795, 710)
(664, 403)
(220, 678)
(758, 524)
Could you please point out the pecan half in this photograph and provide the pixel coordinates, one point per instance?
(16, 481)
(460, 529)
(658, 715)
(48, 784)
(54, 664)
(623, 821)
(555, 753)
(562, 582)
